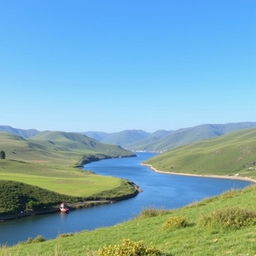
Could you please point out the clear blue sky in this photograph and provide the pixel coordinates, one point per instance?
(112, 65)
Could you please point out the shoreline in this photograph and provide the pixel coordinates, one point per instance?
(74, 206)
(201, 175)
(95, 158)
(82, 204)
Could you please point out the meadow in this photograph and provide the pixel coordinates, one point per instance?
(154, 229)
(49, 162)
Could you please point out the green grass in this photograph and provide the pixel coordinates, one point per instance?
(22, 197)
(48, 162)
(192, 239)
(19, 197)
(232, 154)
(71, 184)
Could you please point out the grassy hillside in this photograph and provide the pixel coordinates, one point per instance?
(50, 164)
(189, 135)
(232, 154)
(192, 238)
(75, 141)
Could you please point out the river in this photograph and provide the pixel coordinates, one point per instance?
(159, 190)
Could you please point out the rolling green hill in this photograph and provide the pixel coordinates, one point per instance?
(187, 136)
(76, 142)
(18, 148)
(232, 154)
(48, 162)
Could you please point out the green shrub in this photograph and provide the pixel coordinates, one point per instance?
(65, 235)
(152, 212)
(175, 222)
(233, 218)
(129, 248)
(37, 239)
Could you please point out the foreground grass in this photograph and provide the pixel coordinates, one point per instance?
(192, 239)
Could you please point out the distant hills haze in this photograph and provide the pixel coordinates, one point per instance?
(158, 141)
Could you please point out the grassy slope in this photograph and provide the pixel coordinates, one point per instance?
(227, 155)
(193, 240)
(75, 141)
(49, 165)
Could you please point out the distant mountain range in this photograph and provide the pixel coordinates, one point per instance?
(139, 140)
(128, 138)
(163, 140)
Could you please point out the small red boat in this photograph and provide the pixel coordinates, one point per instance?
(63, 208)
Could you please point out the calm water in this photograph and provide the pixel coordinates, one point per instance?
(159, 190)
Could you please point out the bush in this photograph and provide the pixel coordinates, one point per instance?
(229, 218)
(65, 235)
(37, 239)
(175, 222)
(129, 248)
(151, 212)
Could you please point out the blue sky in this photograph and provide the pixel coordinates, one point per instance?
(114, 65)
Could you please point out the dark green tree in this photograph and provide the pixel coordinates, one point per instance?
(2, 155)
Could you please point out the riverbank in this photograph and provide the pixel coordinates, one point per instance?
(94, 158)
(160, 191)
(55, 209)
(201, 175)
(76, 205)
(35, 181)
(192, 239)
